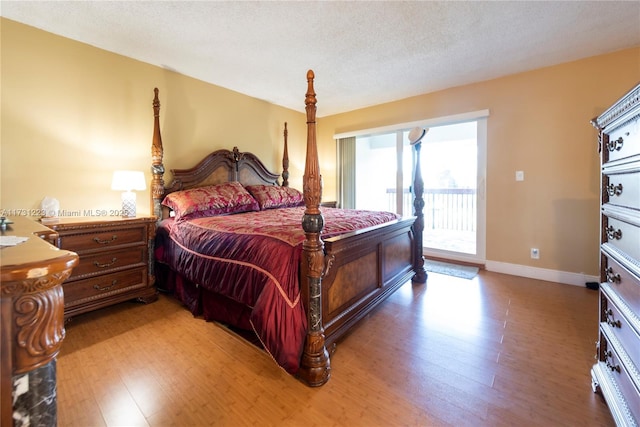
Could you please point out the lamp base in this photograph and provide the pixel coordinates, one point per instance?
(128, 204)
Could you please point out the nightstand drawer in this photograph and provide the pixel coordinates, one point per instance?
(104, 262)
(83, 291)
(96, 239)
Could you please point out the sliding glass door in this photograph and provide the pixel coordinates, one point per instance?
(453, 169)
(383, 171)
(449, 164)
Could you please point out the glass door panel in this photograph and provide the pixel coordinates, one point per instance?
(376, 171)
(449, 168)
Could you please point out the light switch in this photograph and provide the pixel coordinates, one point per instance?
(519, 175)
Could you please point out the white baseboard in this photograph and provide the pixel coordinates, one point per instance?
(576, 279)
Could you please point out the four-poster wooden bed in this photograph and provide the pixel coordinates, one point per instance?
(316, 284)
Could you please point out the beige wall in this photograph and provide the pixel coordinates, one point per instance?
(538, 123)
(72, 114)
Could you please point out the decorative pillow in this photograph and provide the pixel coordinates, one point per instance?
(227, 198)
(274, 196)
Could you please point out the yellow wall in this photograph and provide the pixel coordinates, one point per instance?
(538, 123)
(72, 114)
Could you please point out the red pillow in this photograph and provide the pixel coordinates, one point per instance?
(227, 198)
(274, 196)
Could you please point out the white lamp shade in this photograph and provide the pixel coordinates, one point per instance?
(128, 181)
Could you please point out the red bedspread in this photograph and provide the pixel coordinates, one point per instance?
(253, 259)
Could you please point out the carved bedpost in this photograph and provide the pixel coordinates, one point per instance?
(285, 159)
(315, 368)
(157, 168)
(420, 276)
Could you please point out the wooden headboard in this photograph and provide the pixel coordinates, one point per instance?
(223, 166)
(216, 168)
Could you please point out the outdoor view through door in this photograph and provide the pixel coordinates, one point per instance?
(450, 158)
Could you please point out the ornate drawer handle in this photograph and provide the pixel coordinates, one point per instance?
(615, 145)
(612, 367)
(105, 288)
(607, 355)
(612, 190)
(105, 242)
(614, 323)
(611, 322)
(611, 276)
(106, 264)
(613, 234)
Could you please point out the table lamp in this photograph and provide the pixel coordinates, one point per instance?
(128, 182)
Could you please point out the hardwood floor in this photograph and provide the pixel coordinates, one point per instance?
(497, 350)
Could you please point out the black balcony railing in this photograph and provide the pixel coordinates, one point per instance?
(444, 208)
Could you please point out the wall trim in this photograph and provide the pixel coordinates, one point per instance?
(564, 277)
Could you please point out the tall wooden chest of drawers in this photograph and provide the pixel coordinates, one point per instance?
(115, 261)
(617, 371)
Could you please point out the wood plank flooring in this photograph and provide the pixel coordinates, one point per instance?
(497, 350)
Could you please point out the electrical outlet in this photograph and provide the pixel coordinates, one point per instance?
(535, 253)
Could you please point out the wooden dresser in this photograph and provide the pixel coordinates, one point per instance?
(115, 261)
(617, 371)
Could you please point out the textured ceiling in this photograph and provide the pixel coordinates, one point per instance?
(363, 53)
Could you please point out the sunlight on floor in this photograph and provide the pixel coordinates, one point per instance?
(450, 240)
(462, 311)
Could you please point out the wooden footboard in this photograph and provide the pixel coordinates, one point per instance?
(351, 286)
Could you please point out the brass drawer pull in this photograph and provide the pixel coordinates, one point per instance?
(612, 233)
(105, 288)
(614, 190)
(106, 264)
(105, 242)
(615, 145)
(611, 276)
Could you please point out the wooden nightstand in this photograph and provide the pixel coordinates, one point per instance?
(329, 204)
(115, 261)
